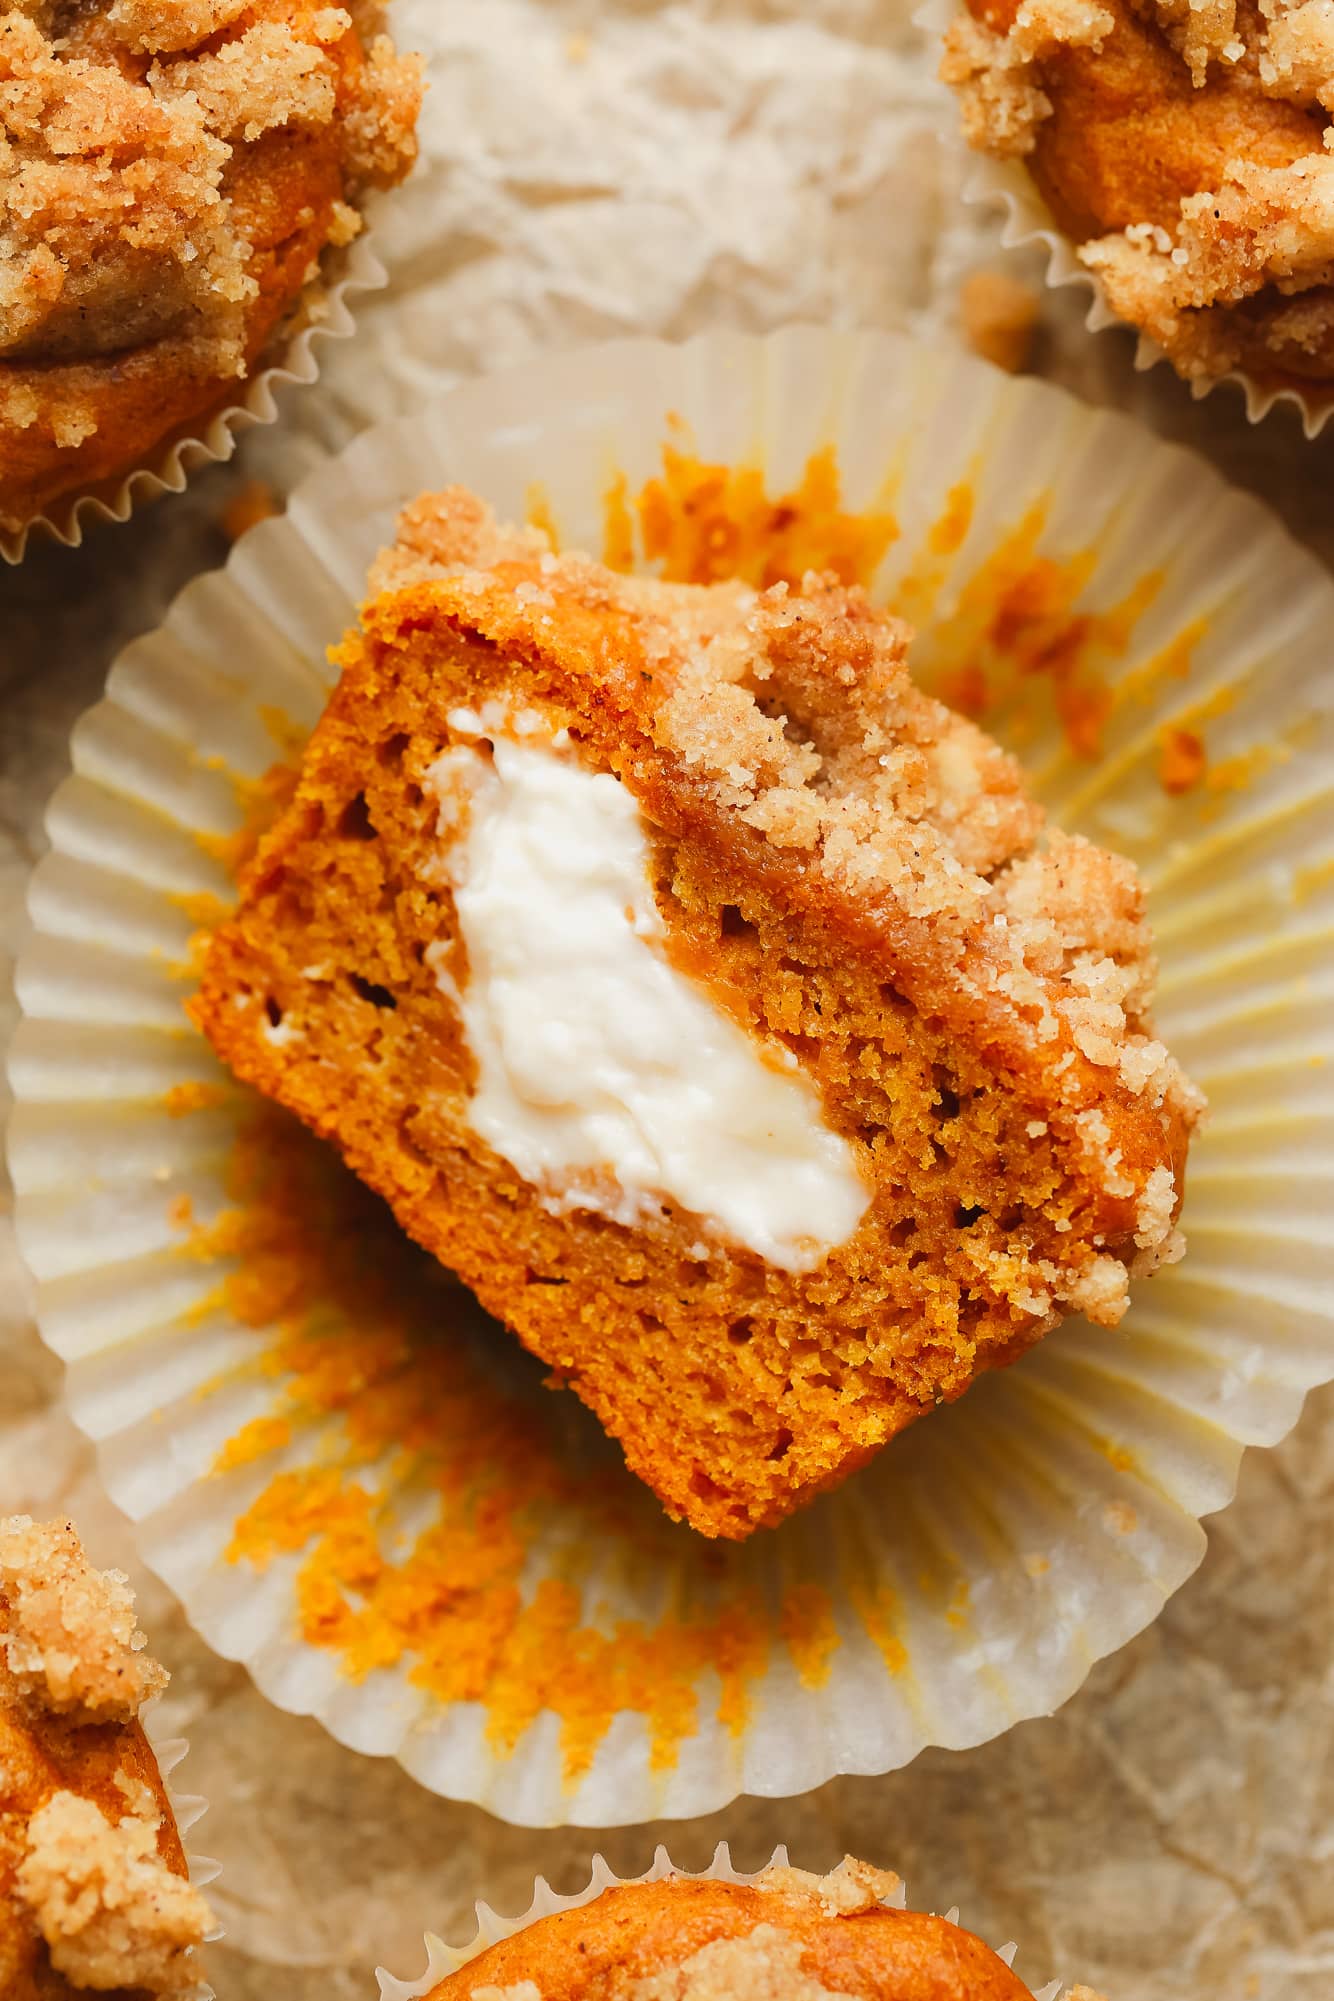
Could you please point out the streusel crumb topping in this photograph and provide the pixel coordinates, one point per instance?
(125, 130)
(69, 1640)
(1238, 273)
(111, 1912)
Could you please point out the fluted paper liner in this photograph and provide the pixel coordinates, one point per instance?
(325, 312)
(443, 1960)
(1142, 625)
(188, 1809)
(1007, 186)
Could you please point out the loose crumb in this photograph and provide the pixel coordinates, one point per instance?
(999, 315)
(256, 501)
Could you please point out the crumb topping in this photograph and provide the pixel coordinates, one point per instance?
(998, 77)
(111, 1912)
(136, 140)
(1261, 227)
(69, 1640)
(842, 1892)
(764, 1965)
(1241, 275)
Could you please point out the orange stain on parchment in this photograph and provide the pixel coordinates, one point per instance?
(387, 1380)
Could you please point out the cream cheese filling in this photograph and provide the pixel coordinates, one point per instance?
(605, 1076)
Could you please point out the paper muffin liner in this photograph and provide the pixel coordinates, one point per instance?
(1006, 185)
(325, 312)
(365, 1493)
(188, 1809)
(443, 1960)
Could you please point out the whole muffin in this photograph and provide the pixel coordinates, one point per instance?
(170, 173)
(1184, 151)
(95, 1893)
(788, 1936)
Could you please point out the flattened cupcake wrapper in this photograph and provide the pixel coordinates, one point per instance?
(188, 1809)
(412, 1538)
(443, 1960)
(1007, 185)
(325, 313)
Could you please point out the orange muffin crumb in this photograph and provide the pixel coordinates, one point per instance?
(94, 1888)
(171, 172)
(999, 316)
(787, 1936)
(853, 874)
(1186, 151)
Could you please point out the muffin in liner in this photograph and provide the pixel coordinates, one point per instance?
(1007, 186)
(365, 1492)
(326, 311)
(442, 1960)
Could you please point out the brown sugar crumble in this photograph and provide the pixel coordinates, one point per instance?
(94, 1888)
(170, 173)
(785, 1936)
(971, 998)
(1187, 152)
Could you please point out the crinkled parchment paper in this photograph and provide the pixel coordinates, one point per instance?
(593, 168)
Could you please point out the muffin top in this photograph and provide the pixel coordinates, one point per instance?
(94, 1888)
(787, 1936)
(1185, 149)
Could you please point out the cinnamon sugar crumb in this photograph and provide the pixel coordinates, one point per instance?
(997, 76)
(764, 1965)
(69, 1640)
(851, 1887)
(111, 1912)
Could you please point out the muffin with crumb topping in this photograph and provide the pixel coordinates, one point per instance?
(1186, 151)
(95, 1893)
(786, 1936)
(715, 1003)
(171, 174)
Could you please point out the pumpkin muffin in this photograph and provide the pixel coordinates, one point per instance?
(709, 999)
(95, 1894)
(788, 1936)
(171, 172)
(1186, 152)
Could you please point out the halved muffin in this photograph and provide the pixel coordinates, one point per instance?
(95, 1893)
(171, 173)
(787, 1936)
(713, 1002)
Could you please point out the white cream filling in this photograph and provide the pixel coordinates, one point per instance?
(605, 1076)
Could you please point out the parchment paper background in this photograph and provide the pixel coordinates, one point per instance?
(597, 167)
